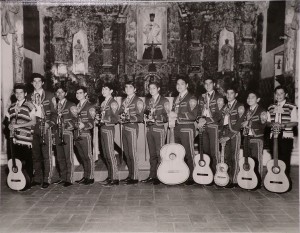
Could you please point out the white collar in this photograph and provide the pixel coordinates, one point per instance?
(210, 92)
(62, 101)
(131, 96)
(19, 103)
(39, 91)
(182, 94)
(281, 103)
(155, 97)
(231, 103)
(253, 107)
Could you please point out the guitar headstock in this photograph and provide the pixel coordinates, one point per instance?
(172, 119)
(245, 131)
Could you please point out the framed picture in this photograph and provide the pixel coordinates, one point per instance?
(278, 64)
(151, 33)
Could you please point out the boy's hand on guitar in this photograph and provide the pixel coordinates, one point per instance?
(12, 126)
(201, 122)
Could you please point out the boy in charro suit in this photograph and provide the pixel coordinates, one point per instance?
(285, 116)
(106, 121)
(83, 138)
(254, 123)
(63, 122)
(131, 113)
(209, 116)
(186, 107)
(42, 154)
(156, 115)
(232, 118)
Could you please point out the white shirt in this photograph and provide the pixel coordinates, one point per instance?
(226, 118)
(38, 112)
(182, 94)
(251, 130)
(206, 111)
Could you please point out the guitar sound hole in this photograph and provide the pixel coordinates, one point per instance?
(246, 167)
(222, 169)
(15, 169)
(276, 170)
(202, 163)
(172, 156)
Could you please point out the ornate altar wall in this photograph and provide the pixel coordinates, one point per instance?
(189, 36)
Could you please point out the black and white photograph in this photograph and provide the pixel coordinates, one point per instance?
(149, 116)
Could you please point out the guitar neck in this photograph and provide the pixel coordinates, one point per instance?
(222, 153)
(11, 142)
(172, 138)
(275, 151)
(246, 151)
(201, 145)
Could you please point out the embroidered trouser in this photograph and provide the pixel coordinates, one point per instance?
(24, 154)
(232, 151)
(129, 137)
(85, 152)
(211, 144)
(185, 135)
(107, 144)
(42, 156)
(64, 157)
(256, 147)
(156, 139)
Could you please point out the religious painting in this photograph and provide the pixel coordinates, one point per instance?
(152, 33)
(278, 64)
(80, 53)
(226, 51)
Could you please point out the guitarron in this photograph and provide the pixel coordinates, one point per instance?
(172, 169)
(246, 177)
(276, 180)
(202, 173)
(221, 177)
(16, 179)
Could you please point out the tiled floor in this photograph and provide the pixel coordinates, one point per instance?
(147, 208)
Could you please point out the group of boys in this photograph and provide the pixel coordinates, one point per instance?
(47, 114)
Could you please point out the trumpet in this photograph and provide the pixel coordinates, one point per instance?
(99, 117)
(149, 116)
(77, 129)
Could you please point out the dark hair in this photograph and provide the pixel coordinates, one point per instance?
(130, 83)
(109, 85)
(209, 78)
(254, 92)
(281, 87)
(37, 75)
(63, 87)
(20, 86)
(154, 83)
(233, 88)
(185, 79)
(82, 88)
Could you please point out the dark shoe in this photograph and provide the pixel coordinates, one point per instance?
(80, 181)
(35, 184)
(67, 184)
(125, 180)
(131, 181)
(189, 182)
(156, 181)
(45, 185)
(148, 180)
(106, 181)
(111, 183)
(58, 182)
(88, 181)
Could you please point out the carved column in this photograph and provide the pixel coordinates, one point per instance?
(121, 23)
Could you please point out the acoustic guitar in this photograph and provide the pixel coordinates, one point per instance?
(202, 173)
(172, 169)
(276, 180)
(246, 178)
(221, 177)
(16, 179)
